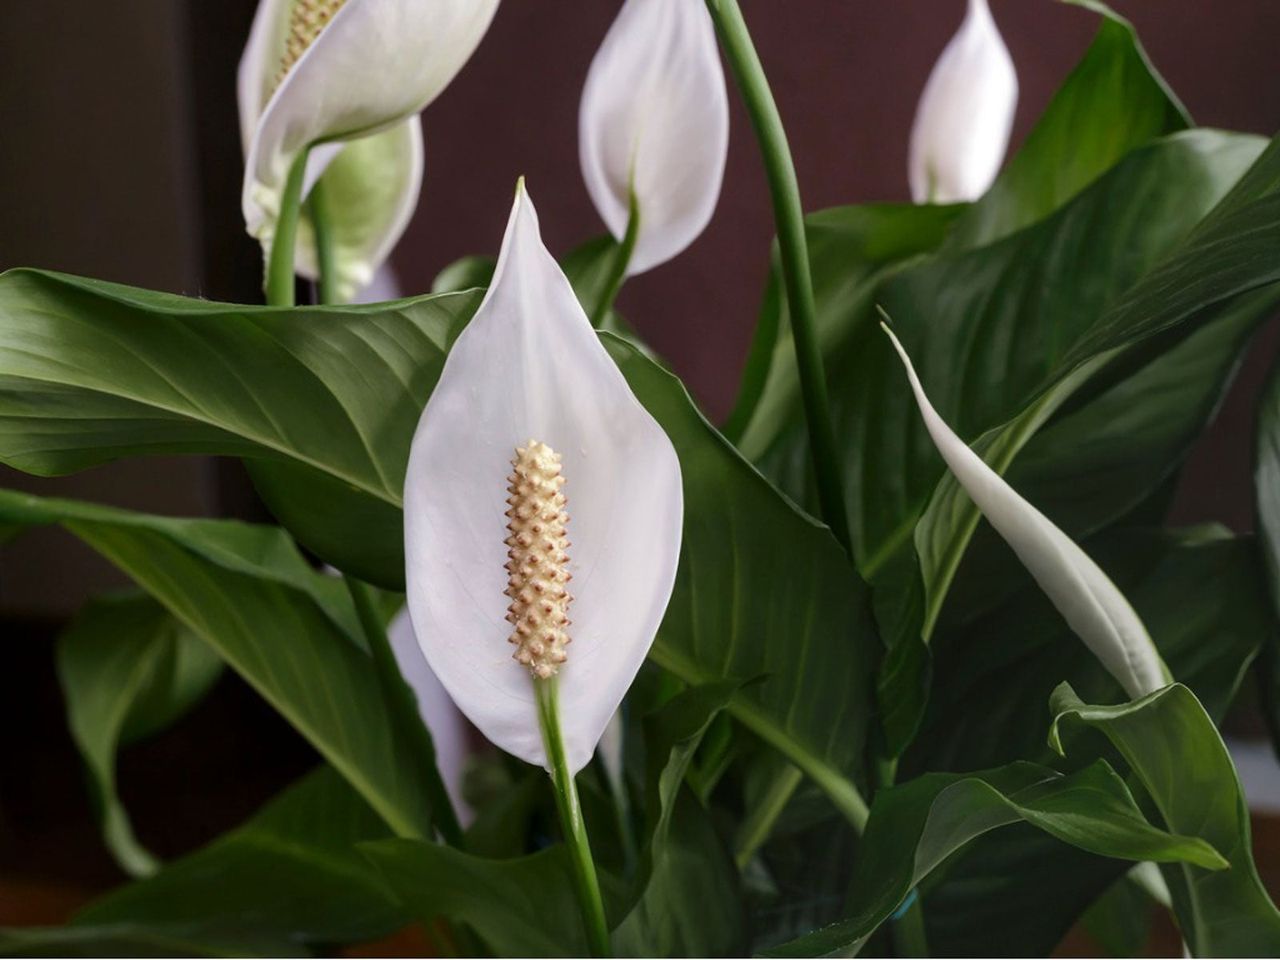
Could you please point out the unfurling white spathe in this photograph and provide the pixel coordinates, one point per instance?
(529, 366)
(353, 92)
(965, 115)
(654, 119)
(1090, 603)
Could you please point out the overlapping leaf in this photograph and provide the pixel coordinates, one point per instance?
(127, 669)
(287, 629)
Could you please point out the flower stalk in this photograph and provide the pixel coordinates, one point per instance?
(793, 247)
(280, 272)
(618, 269)
(586, 883)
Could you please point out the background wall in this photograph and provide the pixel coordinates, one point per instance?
(119, 158)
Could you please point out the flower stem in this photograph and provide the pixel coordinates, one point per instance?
(760, 819)
(402, 703)
(909, 939)
(280, 277)
(571, 822)
(326, 264)
(793, 246)
(618, 268)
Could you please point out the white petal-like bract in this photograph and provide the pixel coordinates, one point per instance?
(371, 68)
(442, 719)
(654, 119)
(529, 367)
(965, 115)
(1090, 603)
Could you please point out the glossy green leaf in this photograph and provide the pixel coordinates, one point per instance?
(814, 696)
(916, 826)
(521, 908)
(1119, 921)
(850, 249)
(690, 903)
(128, 669)
(288, 878)
(1173, 747)
(1199, 593)
(286, 629)
(92, 371)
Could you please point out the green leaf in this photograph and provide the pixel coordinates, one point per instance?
(916, 826)
(850, 249)
(522, 908)
(690, 902)
(1120, 919)
(813, 700)
(286, 629)
(465, 273)
(288, 878)
(128, 669)
(1111, 103)
(1266, 481)
(1174, 749)
(92, 371)
(1198, 592)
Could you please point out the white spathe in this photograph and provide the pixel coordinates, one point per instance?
(965, 115)
(442, 719)
(529, 366)
(361, 83)
(654, 119)
(1090, 603)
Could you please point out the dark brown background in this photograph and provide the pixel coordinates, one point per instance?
(119, 158)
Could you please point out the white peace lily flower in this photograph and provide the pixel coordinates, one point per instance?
(1087, 599)
(442, 719)
(654, 120)
(965, 114)
(347, 77)
(488, 555)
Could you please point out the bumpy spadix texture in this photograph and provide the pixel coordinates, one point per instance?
(538, 560)
(346, 78)
(1090, 603)
(655, 119)
(528, 365)
(306, 19)
(965, 114)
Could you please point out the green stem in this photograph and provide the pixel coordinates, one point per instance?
(326, 262)
(793, 246)
(909, 939)
(571, 822)
(280, 266)
(403, 706)
(760, 820)
(618, 268)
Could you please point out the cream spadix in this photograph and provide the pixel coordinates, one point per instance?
(528, 367)
(654, 119)
(965, 114)
(1087, 599)
(348, 78)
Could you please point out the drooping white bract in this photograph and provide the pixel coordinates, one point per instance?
(442, 719)
(654, 119)
(348, 78)
(965, 115)
(1087, 599)
(529, 367)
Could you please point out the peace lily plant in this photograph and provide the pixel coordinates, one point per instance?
(793, 678)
